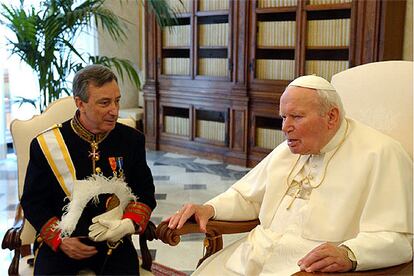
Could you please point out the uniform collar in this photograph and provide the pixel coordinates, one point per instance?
(85, 134)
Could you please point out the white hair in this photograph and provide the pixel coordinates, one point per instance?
(329, 99)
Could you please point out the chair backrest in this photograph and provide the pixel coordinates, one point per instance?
(23, 131)
(380, 94)
(127, 121)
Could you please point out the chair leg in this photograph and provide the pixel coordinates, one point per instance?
(213, 242)
(14, 265)
(148, 235)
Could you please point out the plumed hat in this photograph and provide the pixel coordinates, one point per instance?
(313, 82)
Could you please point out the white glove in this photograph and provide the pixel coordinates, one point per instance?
(115, 213)
(96, 228)
(111, 230)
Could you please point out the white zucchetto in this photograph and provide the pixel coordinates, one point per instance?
(312, 81)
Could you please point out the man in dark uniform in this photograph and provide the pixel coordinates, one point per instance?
(92, 143)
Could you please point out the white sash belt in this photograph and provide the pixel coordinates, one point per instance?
(57, 155)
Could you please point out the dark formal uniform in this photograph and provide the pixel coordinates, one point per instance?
(121, 153)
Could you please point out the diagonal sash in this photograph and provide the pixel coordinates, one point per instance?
(57, 155)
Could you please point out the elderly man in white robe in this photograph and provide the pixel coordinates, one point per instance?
(336, 196)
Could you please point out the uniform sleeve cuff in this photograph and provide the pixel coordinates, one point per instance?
(139, 213)
(50, 234)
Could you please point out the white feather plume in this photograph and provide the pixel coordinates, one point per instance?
(91, 188)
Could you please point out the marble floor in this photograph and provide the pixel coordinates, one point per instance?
(178, 179)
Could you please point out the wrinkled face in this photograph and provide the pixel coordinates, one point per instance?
(100, 113)
(306, 130)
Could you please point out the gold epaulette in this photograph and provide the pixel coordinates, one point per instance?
(49, 128)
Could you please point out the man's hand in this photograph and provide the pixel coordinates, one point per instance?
(77, 250)
(202, 214)
(111, 230)
(326, 258)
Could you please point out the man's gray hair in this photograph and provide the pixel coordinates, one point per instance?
(329, 99)
(94, 74)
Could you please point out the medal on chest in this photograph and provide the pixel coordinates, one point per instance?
(117, 164)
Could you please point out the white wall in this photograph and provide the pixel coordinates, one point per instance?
(129, 49)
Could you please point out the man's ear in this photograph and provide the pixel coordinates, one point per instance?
(333, 117)
(79, 103)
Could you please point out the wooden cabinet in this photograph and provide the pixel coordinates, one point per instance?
(215, 78)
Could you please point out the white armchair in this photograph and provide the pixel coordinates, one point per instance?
(20, 237)
(379, 94)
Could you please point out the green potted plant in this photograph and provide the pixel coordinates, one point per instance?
(45, 37)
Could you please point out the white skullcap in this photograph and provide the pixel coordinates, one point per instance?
(312, 81)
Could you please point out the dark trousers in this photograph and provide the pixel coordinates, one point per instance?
(122, 261)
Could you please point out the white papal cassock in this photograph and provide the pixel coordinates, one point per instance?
(363, 202)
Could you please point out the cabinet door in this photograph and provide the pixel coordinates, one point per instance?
(175, 121)
(198, 45)
(326, 35)
(175, 47)
(213, 43)
(211, 126)
(273, 45)
(295, 37)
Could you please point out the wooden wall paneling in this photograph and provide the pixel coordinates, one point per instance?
(238, 134)
(252, 29)
(391, 30)
(240, 42)
(353, 34)
(367, 31)
(150, 42)
(193, 123)
(233, 32)
(193, 43)
(379, 31)
(150, 121)
(301, 32)
(194, 48)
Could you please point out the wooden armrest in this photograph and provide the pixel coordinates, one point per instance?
(214, 242)
(215, 228)
(398, 270)
(12, 241)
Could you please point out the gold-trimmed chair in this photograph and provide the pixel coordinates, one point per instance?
(379, 94)
(20, 237)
